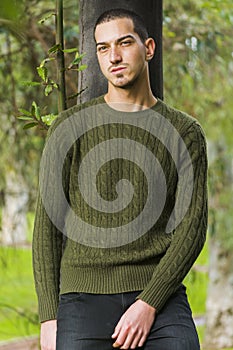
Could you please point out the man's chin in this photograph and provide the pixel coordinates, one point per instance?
(123, 84)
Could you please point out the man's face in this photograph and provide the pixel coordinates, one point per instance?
(121, 53)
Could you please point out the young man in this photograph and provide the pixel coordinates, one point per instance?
(124, 292)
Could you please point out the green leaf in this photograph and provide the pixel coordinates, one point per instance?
(48, 89)
(54, 48)
(53, 83)
(30, 125)
(48, 119)
(171, 34)
(78, 59)
(25, 112)
(30, 83)
(70, 50)
(82, 67)
(23, 117)
(35, 110)
(42, 20)
(43, 73)
(46, 60)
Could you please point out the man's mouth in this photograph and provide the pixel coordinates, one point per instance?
(117, 70)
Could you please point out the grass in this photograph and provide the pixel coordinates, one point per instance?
(196, 282)
(18, 304)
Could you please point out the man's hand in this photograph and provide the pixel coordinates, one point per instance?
(134, 326)
(48, 332)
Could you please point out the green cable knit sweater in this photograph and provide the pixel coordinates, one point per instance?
(152, 257)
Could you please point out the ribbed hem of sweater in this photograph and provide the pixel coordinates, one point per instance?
(116, 279)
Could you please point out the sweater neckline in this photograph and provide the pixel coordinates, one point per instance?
(156, 108)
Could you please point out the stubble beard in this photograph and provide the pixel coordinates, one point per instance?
(124, 85)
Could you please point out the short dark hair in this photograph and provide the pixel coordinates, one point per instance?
(139, 25)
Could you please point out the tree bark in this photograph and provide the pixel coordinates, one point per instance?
(14, 220)
(219, 306)
(91, 78)
(219, 303)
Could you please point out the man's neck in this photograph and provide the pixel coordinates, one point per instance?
(128, 100)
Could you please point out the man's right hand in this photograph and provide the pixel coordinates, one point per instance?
(48, 332)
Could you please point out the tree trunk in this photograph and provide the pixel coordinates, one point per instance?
(219, 306)
(14, 221)
(92, 78)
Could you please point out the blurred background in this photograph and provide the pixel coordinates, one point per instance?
(198, 79)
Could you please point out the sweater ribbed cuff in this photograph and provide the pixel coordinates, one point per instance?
(48, 306)
(157, 294)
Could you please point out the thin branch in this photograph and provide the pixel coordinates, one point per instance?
(60, 57)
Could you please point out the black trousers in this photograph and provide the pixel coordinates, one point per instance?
(87, 321)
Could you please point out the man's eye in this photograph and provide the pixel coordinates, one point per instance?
(125, 43)
(102, 48)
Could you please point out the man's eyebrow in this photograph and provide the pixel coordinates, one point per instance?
(128, 36)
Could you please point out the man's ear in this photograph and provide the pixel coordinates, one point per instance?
(150, 48)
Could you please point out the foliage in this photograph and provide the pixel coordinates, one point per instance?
(34, 116)
(198, 66)
(24, 44)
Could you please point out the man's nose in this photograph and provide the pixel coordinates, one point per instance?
(115, 55)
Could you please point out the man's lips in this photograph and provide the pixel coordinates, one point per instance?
(117, 69)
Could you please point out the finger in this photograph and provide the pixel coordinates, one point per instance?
(117, 329)
(115, 334)
(136, 340)
(121, 337)
(129, 340)
(142, 340)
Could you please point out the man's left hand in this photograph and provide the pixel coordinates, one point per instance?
(134, 326)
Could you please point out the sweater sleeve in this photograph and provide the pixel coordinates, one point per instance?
(189, 236)
(47, 252)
